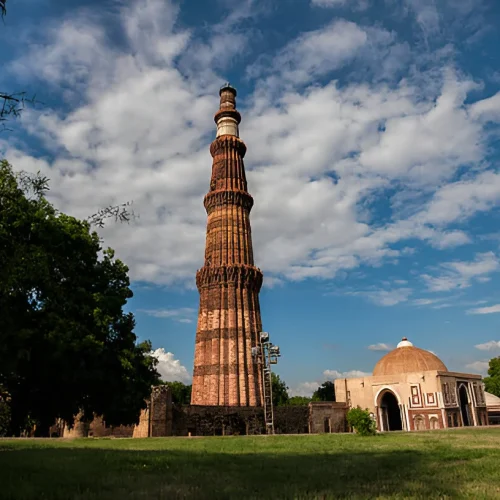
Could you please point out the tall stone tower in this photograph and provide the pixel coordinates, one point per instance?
(229, 319)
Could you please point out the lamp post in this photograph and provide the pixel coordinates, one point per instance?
(267, 354)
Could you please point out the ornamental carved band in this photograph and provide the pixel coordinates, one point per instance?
(248, 277)
(217, 199)
(229, 321)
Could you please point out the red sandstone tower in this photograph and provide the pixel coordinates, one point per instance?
(229, 319)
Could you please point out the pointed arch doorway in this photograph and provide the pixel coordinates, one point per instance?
(390, 412)
(464, 405)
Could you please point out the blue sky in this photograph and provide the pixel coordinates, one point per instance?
(372, 129)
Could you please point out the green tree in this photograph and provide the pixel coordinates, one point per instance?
(65, 343)
(280, 390)
(181, 393)
(361, 421)
(492, 382)
(325, 392)
(299, 401)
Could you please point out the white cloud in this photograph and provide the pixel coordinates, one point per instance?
(169, 368)
(304, 389)
(424, 302)
(307, 388)
(460, 274)
(487, 109)
(335, 374)
(182, 315)
(385, 297)
(479, 366)
(380, 347)
(316, 53)
(489, 346)
(485, 310)
(355, 4)
(461, 200)
(139, 120)
(426, 15)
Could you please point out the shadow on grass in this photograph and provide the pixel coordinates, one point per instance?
(73, 473)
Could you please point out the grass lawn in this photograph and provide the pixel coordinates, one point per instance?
(442, 464)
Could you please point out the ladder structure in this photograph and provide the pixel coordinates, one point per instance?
(267, 354)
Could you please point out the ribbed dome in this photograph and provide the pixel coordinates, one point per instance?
(407, 358)
(491, 400)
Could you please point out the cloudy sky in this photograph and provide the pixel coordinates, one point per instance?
(373, 141)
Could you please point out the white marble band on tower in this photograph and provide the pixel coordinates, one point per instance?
(227, 126)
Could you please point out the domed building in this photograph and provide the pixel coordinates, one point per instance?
(411, 389)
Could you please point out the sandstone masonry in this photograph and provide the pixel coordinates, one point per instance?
(229, 319)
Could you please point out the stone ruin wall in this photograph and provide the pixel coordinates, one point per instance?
(327, 417)
(154, 420)
(162, 418)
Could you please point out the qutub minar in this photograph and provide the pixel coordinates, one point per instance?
(229, 320)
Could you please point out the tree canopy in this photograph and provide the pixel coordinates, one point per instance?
(181, 393)
(492, 382)
(280, 390)
(325, 392)
(299, 401)
(65, 342)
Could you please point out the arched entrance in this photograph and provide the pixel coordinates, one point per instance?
(464, 404)
(390, 412)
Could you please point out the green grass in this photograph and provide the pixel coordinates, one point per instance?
(444, 464)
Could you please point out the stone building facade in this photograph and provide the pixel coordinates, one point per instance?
(229, 319)
(411, 389)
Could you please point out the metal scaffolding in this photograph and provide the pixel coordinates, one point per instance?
(267, 354)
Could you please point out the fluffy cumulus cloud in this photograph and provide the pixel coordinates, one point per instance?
(460, 274)
(169, 368)
(489, 346)
(307, 388)
(479, 367)
(138, 118)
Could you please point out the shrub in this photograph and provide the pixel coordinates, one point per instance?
(361, 421)
(4, 417)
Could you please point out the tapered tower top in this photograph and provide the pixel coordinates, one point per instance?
(229, 88)
(227, 118)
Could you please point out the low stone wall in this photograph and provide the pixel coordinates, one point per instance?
(197, 420)
(291, 420)
(162, 418)
(233, 420)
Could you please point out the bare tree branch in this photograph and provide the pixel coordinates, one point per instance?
(121, 213)
(37, 185)
(12, 105)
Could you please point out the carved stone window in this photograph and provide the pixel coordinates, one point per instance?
(449, 395)
(478, 392)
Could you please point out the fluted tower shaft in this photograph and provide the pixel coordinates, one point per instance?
(229, 318)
